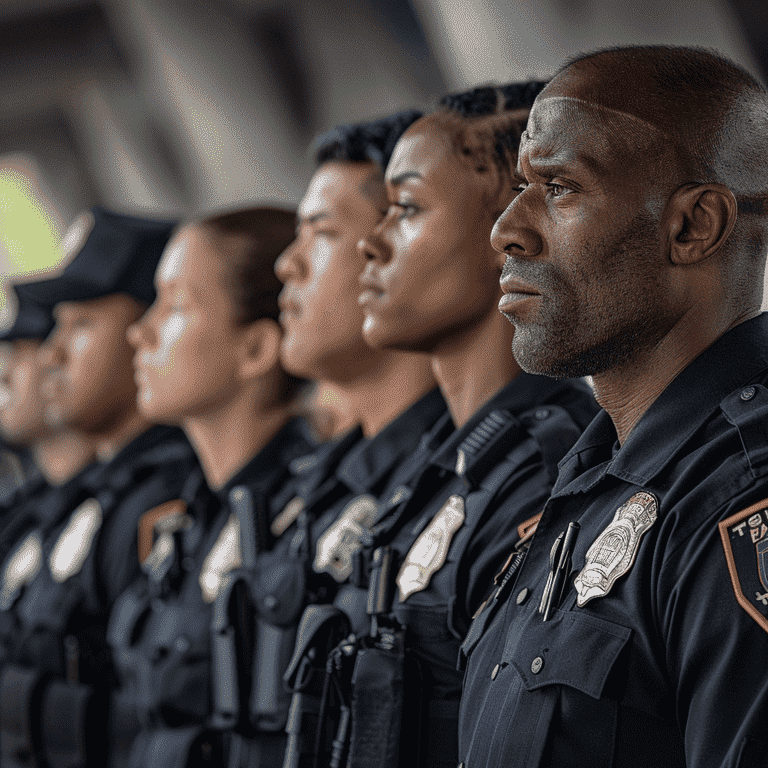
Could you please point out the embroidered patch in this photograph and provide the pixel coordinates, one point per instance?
(147, 522)
(745, 541)
(427, 555)
(224, 556)
(22, 565)
(287, 517)
(345, 536)
(74, 542)
(613, 551)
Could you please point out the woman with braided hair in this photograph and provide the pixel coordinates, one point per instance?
(431, 285)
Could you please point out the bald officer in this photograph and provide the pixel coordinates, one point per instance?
(635, 631)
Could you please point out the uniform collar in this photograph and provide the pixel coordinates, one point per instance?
(734, 360)
(525, 391)
(372, 459)
(269, 466)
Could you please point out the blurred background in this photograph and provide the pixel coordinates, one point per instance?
(175, 107)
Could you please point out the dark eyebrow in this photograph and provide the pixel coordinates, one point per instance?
(396, 181)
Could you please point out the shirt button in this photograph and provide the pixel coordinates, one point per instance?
(748, 393)
(536, 665)
(522, 596)
(495, 672)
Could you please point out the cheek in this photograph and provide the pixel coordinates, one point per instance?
(169, 336)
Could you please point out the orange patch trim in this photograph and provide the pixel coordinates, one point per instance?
(739, 519)
(147, 522)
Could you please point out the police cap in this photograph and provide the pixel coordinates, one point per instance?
(119, 254)
(32, 321)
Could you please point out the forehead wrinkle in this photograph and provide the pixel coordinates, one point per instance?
(591, 105)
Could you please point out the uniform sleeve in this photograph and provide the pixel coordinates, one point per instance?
(716, 652)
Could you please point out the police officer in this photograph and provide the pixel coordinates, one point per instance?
(634, 632)
(431, 286)
(54, 688)
(207, 359)
(390, 394)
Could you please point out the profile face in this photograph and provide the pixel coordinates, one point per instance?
(584, 277)
(320, 315)
(186, 343)
(22, 408)
(431, 272)
(89, 381)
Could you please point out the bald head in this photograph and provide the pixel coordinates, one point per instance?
(709, 112)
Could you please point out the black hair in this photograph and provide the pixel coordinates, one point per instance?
(370, 142)
(493, 99)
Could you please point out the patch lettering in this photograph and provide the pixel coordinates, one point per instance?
(745, 542)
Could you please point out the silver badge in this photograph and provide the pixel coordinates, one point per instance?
(287, 517)
(20, 568)
(156, 563)
(75, 237)
(74, 542)
(337, 545)
(613, 551)
(427, 555)
(224, 556)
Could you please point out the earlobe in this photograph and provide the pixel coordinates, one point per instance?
(260, 349)
(699, 219)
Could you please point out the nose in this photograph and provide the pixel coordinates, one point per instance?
(137, 332)
(373, 248)
(290, 263)
(514, 232)
(51, 353)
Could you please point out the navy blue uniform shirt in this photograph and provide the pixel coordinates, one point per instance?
(657, 652)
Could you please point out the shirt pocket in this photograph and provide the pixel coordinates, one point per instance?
(564, 666)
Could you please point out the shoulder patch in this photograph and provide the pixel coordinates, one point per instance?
(74, 542)
(745, 541)
(146, 534)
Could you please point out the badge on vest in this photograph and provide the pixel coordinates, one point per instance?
(745, 541)
(427, 555)
(337, 545)
(21, 567)
(225, 555)
(167, 519)
(287, 517)
(74, 542)
(613, 551)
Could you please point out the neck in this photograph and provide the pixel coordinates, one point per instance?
(627, 391)
(473, 366)
(227, 439)
(61, 456)
(120, 432)
(386, 389)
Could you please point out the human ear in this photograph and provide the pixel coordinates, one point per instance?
(699, 218)
(259, 349)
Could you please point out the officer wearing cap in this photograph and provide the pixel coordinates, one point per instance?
(46, 454)
(635, 632)
(55, 683)
(215, 317)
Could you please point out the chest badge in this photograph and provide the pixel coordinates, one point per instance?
(287, 517)
(613, 551)
(75, 541)
(224, 556)
(345, 536)
(429, 551)
(21, 567)
(745, 541)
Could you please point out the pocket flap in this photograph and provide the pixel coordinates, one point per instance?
(572, 648)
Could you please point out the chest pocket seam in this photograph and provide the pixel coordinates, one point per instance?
(575, 649)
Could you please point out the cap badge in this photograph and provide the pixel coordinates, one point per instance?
(613, 551)
(74, 542)
(428, 553)
(345, 536)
